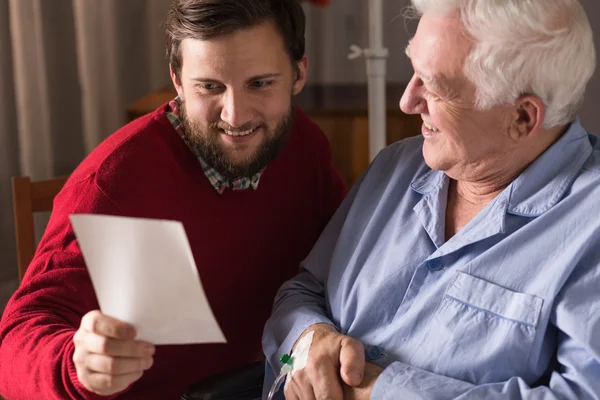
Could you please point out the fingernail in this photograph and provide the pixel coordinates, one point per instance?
(149, 349)
(356, 376)
(148, 363)
(124, 331)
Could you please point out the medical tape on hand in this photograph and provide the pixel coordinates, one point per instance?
(300, 356)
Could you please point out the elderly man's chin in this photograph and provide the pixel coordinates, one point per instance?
(435, 155)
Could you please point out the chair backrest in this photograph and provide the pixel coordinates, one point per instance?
(29, 198)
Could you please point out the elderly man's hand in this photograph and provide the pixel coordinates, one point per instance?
(363, 391)
(331, 356)
(107, 358)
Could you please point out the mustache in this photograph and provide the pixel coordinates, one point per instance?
(220, 125)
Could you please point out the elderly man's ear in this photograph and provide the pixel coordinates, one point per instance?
(528, 117)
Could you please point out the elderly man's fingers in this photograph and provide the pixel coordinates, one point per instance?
(324, 379)
(96, 322)
(301, 389)
(304, 385)
(352, 361)
(292, 391)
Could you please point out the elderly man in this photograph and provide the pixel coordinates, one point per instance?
(466, 261)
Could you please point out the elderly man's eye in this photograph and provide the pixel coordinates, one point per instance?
(432, 96)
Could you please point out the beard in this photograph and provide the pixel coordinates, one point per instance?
(206, 143)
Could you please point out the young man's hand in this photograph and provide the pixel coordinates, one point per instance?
(107, 357)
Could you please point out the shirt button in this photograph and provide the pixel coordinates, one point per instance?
(374, 353)
(435, 264)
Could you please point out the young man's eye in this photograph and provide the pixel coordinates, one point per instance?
(260, 84)
(209, 86)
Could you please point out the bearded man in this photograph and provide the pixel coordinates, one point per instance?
(246, 172)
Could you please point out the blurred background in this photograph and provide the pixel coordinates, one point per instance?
(74, 71)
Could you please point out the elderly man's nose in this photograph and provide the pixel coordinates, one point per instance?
(412, 101)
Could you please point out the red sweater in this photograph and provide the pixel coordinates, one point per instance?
(245, 244)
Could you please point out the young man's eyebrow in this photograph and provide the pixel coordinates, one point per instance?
(265, 76)
(252, 79)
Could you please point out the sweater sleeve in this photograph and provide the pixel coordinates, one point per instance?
(41, 318)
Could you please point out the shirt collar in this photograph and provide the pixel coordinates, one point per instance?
(218, 182)
(428, 181)
(543, 184)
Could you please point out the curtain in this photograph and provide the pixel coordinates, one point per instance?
(68, 69)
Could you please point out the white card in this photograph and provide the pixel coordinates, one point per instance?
(144, 273)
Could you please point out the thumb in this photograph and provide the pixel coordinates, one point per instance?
(352, 361)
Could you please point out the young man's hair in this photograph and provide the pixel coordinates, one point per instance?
(206, 19)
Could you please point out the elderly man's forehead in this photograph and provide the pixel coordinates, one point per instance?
(439, 45)
(425, 76)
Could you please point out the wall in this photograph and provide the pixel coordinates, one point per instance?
(332, 30)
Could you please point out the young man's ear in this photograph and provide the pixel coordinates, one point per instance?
(300, 75)
(176, 82)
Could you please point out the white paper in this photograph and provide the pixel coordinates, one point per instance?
(144, 274)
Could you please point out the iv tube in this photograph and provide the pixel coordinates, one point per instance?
(287, 361)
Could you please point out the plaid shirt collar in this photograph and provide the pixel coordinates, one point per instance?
(218, 182)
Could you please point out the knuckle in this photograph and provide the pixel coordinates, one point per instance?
(299, 376)
(103, 344)
(90, 319)
(106, 382)
(82, 376)
(312, 368)
(79, 357)
(110, 365)
(351, 341)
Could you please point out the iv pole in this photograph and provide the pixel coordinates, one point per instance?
(376, 57)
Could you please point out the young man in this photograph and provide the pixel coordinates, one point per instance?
(250, 177)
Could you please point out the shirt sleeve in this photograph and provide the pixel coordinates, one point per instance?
(41, 318)
(301, 301)
(575, 375)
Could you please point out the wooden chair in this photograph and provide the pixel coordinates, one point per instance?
(29, 198)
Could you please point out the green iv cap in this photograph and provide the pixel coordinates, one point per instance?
(286, 359)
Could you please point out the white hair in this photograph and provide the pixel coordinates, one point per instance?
(539, 47)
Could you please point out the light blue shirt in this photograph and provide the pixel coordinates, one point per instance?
(508, 308)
